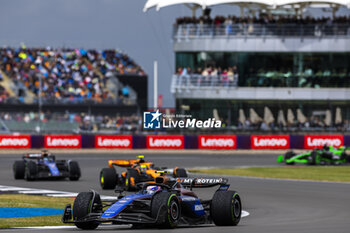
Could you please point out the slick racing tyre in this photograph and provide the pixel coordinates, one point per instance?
(108, 178)
(132, 178)
(19, 168)
(31, 171)
(347, 158)
(312, 159)
(84, 204)
(226, 208)
(344, 157)
(74, 170)
(180, 172)
(287, 156)
(166, 207)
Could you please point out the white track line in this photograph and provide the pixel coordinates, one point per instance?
(43, 192)
(9, 188)
(62, 195)
(244, 214)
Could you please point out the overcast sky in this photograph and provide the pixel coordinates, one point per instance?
(100, 24)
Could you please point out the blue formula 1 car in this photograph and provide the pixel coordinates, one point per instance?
(167, 203)
(45, 166)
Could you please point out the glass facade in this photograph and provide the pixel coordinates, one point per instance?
(314, 70)
(228, 110)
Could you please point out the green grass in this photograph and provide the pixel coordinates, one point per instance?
(318, 173)
(16, 200)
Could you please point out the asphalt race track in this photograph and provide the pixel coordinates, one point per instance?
(274, 205)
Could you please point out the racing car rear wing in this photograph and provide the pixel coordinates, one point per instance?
(202, 182)
(127, 163)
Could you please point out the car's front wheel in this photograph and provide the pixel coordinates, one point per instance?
(165, 206)
(84, 204)
(31, 171)
(312, 159)
(74, 170)
(19, 168)
(287, 156)
(131, 179)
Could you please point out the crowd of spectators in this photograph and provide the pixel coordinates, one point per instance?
(4, 95)
(263, 25)
(314, 123)
(209, 76)
(65, 74)
(263, 19)
(132, 123)
(274, 77)
(79, 122)
(306, 78)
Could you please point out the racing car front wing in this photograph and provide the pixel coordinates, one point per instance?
(121, 218)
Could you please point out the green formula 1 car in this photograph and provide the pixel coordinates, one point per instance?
(328, 155)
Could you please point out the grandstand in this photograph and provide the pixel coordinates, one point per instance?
(272, 68)
(66, 75)
(69, 90)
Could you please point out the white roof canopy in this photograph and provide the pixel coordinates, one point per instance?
(273, 3)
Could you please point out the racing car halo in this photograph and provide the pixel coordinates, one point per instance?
(167, 203)
(137, 171)
(45, 166)
(328, 155)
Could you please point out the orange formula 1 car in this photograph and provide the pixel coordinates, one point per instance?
(137, 171)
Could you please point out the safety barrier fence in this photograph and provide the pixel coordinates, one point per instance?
(229, 142)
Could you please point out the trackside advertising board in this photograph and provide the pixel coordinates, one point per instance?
(113, 141)
(165, 142)
(15, 141)
(62, 141)
(318, 141)
(217, 142)
(269, 141)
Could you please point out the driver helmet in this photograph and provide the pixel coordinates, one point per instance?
(141, 158)
(152, 189)
(44, 154)
(325, 147)
(143, 168)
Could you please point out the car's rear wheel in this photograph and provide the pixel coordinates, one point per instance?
(347, 158)
(166, 207)
(108, 178)
(132, 178)
(84, 204)
(287, 156)
(31, 171)
(343, 157)
(74, 170)
(226, 208)
(180, 172)
(19, 168)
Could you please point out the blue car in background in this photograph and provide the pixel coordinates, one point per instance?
(166, 203)
(45, 166)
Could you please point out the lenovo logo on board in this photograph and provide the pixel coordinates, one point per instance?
(165, 142)
(62, 141)
(269, 141)
(217, 142)
(15, 141)
(113, 141)
(318, 141)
